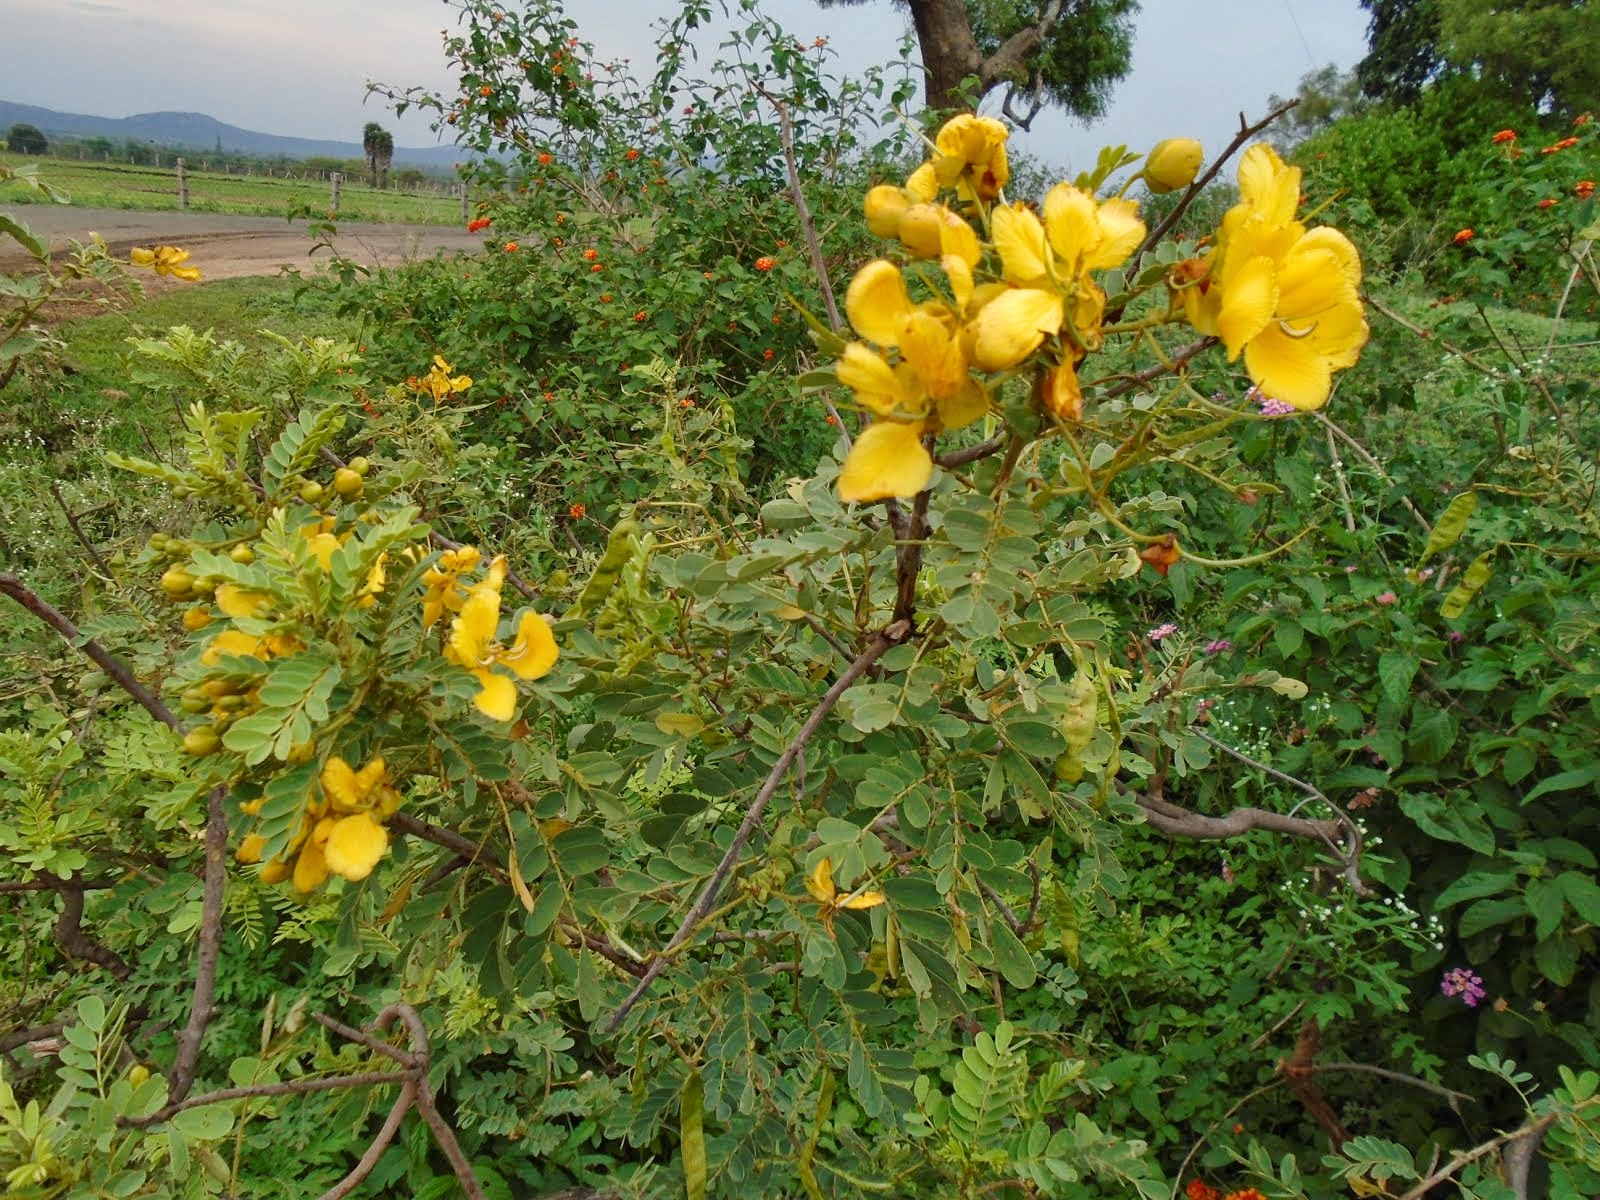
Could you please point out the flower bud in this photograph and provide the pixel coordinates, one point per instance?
(1172, 164)
(885, 204)
(919, 230)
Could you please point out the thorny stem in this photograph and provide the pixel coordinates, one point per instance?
(879, 645)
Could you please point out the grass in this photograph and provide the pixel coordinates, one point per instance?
(144, 188)
(56, 427)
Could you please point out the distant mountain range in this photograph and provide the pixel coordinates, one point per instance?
(197, 131)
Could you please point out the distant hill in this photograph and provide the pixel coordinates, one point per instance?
(200, 132)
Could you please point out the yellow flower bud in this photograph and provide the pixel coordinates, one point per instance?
(884, 206)
(1172, 164)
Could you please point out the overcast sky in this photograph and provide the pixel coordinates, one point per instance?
(299, 67)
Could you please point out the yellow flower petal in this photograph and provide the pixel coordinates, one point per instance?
(140, 257)
(820, 882)
(1011, 326)
(232, 641)
(534, 652)
(884, 206)
(472, 632)
(339, 785)
(870, 377)
(1296, 366)
(311, 868)
(887, 459)
(1063, 396)
(498, 698)
(922, 185)
(1248, 302)
(1267, 186)
(959, 273)
(933, 353)
(355, 845)
(863, 900)
(237, 602)
(922, 230)
(969, 404)
(1120, 232)
(877, 304)
(1019, 239)
(322, 548)
(249, 850)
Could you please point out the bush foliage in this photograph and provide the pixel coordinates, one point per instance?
(790, 674)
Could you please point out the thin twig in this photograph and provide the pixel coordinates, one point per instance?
(1365, 456)
(708, 896)
(1395, 1076)
(380, 1143)
(808, 227)
(1344, 487)
(77, 531)
(291, 1087)
(1533, 1130)
(203, 1007)
(11, 585)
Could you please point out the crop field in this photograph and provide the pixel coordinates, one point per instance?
(121, 185)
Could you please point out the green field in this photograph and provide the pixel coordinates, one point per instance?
(120, 185)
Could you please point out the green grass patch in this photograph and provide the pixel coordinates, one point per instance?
(146, 188)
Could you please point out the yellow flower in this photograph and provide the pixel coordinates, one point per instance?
(1172, 164)
(1048, 265)
(970, 157)
(1288, 299)
(376, 578)
(234, 641)
(239, 602)
(886, 459)
(444, 592)
(531, 654)
(821, 886)
(165, 260)
(439, 383)
(931, 376)
(886, 204)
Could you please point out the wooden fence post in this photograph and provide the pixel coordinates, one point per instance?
(464, 213)
(183, 185)
(335, 178)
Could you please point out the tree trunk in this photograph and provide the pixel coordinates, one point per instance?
(949, 52)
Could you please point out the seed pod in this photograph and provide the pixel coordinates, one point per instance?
(619, 549)
(1471, 584)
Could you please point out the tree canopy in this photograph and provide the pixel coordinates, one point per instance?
(1068, 53)
(26, 139)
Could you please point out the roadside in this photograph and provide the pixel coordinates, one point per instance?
(227, 247)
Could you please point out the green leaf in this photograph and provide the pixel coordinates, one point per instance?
(1475, 885)
(1557, 959)
(1396, 670)
(1582, 893)
(1546, 901)
(1011, 956)
(204, 1124)
(1450, 820)
(1486, 914)
(1566, 781)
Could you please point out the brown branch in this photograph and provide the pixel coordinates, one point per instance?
(77, 531)
(908, 559)
(1395, 1076)
(203, 1007)
(1361, 452)
(808, 226)
(1351, 854)
(49, 884)
(1129, 383)
(1183, 822)
(11, 585)
(879, 645)
(34, 1033)
(971, 454)
(440, 1128)
(1013, 53)
(1246, 132)
(380, 1143)
(1297, 1070)
(74, 942)
(1534, 1131)
(292, 1087)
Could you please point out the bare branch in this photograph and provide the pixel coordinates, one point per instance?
(11, 585)
(74, 942)
(879, 645)
(77, 531)
(203, 1007)
(291, 1087)
(984, 449)
(1533, 1132)
(380, 1143)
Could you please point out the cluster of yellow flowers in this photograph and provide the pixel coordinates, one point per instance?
(438, 382)
(1288, 297)
(1020, 286)
(341, 832)
(165, 260)
(531, 654)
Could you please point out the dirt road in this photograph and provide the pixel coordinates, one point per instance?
(225, 247)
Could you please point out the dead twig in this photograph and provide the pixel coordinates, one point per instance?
(203, 1006)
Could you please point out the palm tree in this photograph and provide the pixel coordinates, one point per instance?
(372, 140)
